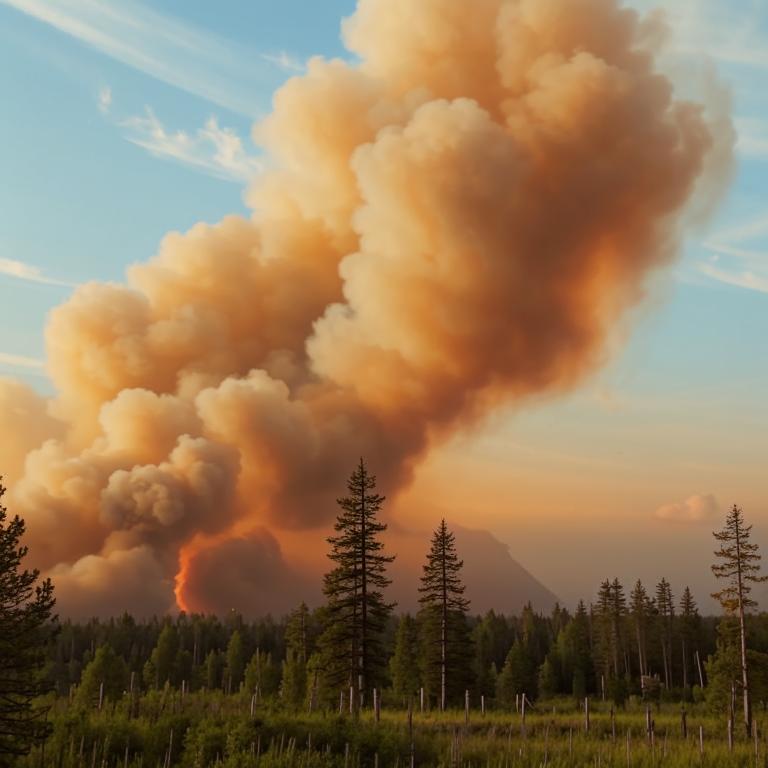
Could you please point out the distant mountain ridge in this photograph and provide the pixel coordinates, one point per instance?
(494, 579)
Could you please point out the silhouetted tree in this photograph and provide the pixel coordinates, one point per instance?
(404, 664)
(740, 568)
(690, 624)
(357, 613)
(640, 609)
(26, 629)
(665, 611)
(445, 634)
(294, 684)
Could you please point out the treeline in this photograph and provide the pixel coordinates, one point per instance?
(563, 653)
(354, 651)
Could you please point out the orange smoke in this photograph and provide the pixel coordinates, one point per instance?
(461, 218)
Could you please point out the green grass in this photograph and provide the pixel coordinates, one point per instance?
(210, 729)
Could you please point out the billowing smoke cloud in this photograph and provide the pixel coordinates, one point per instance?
(459, 219)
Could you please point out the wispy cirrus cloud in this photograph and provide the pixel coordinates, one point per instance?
(105, 100)
(23, 271)
(21, 361)
(197, 61)
(212, 149)
(739, 256)
(284, 60)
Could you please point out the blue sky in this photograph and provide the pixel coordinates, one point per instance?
(123, 121)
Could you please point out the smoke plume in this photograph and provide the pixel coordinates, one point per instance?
(458, 219)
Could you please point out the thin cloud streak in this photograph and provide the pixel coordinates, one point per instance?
(21, 361)
(212, 149)
(748, 280)
(208, 66)
(22, 271)
(284, 60)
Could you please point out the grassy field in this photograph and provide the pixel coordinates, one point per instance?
(211, 729)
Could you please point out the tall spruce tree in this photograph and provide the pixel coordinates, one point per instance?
(357, 613)
(404, 664)
(740, 568)
(640, 609)
(26, 628)
(665, 610)
(294, 687)
(443, 616)
(690, 625)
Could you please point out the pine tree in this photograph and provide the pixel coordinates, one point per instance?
(576, 656)
(357, 613)
(443, 617)
(740, 566)
(611, 610)
(294, 685)
(517, 676)
(665, 609)
(547, 683)
(160, 668)
(25, 630)
(233, 675)
(404, 664)
(106, 674)
(690, 624)
(640, 609)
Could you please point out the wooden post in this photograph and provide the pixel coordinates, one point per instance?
(586, 714)
(648, 725)
(410, 733)
(517, 703)
(570, 742)
(101, 695)
(351, 700)
(466, 706)
(341, 702)
(683, 723)
(701, 741)
(376, 705)
(629, 748)
(482, 704)
(730, 734)
(613, 724)
(602, 685)
(522, 714)
(421, 699)
(757, 743)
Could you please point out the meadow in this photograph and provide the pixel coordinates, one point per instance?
(209, 728)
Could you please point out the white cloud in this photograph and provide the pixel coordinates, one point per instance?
(20, 361)
(741, 279)
(197, 61)
(22, 271)
(105, 100)
(739, 256)
(212, 149)
(752, 137)
(284, 60)
(695, 509)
